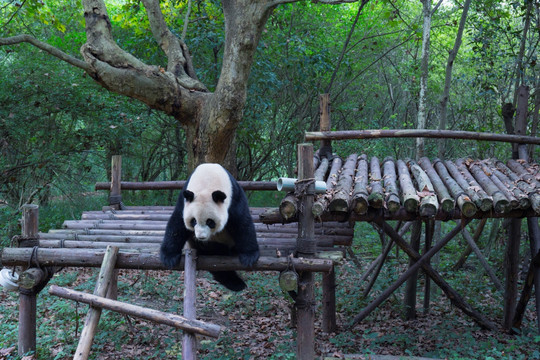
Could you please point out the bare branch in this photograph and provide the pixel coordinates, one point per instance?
(48, 48)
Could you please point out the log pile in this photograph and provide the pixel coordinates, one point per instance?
(360, 186)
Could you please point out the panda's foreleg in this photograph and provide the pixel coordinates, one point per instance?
(175, 238)
(245, 241)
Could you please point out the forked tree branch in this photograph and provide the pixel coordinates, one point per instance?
(178, 63)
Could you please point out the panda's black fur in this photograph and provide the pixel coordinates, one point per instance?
(238, 236)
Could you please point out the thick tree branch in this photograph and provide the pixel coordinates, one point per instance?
(175, 49)
(48, 48)
(121, 72)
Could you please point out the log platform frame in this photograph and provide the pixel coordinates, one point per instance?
(304, 213)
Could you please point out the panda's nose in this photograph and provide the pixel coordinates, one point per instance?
(200, 233)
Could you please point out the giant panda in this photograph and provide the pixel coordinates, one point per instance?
(212, 213)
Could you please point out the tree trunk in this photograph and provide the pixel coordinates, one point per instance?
(424, 66)
(448, 78)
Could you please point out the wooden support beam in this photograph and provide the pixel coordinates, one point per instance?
(151, 261)
(453, 295)
(177, 321)
(178, 185)
(306, 247)
(94, 313)
(415, 133)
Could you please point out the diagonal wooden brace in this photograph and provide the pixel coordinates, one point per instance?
(422, 261)
(94, 313)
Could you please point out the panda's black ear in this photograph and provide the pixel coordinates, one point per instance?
(219, 196)
(188, 195)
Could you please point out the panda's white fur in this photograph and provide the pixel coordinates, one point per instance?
(205, 180)
(212, 214)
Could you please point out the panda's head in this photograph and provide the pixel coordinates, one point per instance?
(207, 199)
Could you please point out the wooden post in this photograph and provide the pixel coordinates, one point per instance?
(411, 287)
(189, 342)
(324, 124)
(328, 280)
(430, 230)
(534, 238)
(305, 246)
(329, 302)
(115, 202)
(115, 195)
(514, 231)
(94, 313)
(28, 297)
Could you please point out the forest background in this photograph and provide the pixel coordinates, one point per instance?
(59, 128)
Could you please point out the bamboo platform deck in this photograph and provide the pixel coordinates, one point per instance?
(361, 188)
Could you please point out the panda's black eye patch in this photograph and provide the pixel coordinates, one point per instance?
(193, 222)
(211, 223)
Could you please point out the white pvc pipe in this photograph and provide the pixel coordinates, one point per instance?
(287, 184)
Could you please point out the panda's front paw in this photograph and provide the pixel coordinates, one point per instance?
(248, 259)
(169, 260)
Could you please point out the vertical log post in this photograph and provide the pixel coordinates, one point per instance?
(324, 124)
(189, 342)
(514, 231)
(534, 238)
(94, 313)
(305, 245)
(115, 202)
(328, 280)
(115, 195)
(329, 323)
(411, 286)
(532, 222)
(28, 297)
(430, 230)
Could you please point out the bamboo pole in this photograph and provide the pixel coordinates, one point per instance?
(410, 198)
(510, 186)
(94, 313)
(500, 202)
(446, 201)
(341, 201)
(390, 184)
(464, 202)
(376, 196)
(466, 181)
(428, 199)
(177, 321)
(527, 188)
(415, 133)
(320, 206)
(514, 203)
(360, 191)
